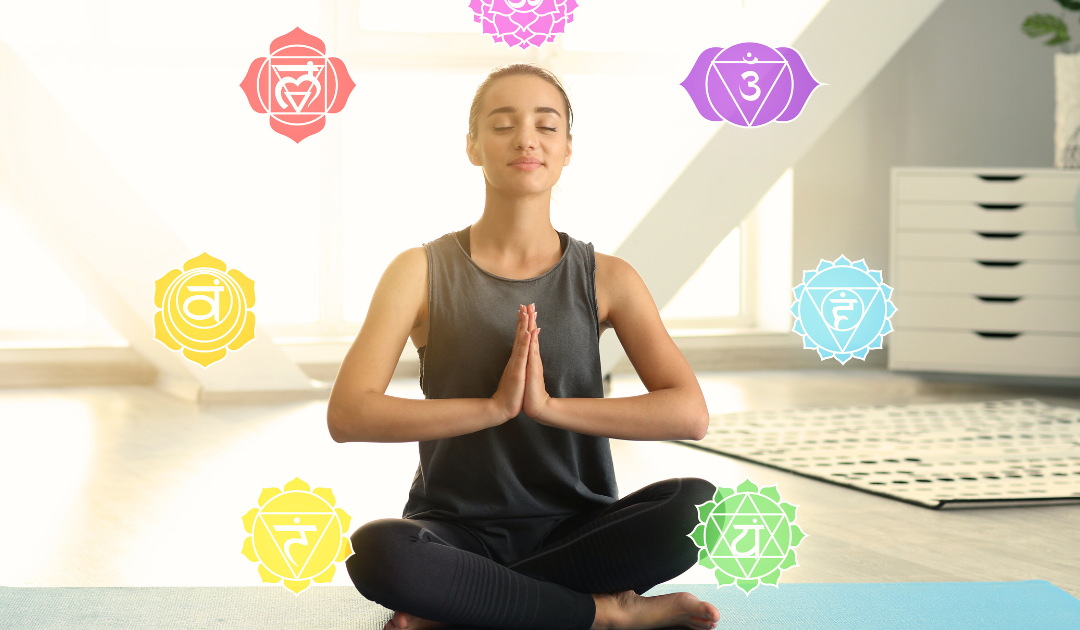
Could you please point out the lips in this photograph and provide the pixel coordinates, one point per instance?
(526, 164)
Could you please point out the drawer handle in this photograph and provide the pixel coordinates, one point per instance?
(999, 298)
(999, 234)
(1000, 206)
(986, 334)
(1000, 263)
(1000, 178)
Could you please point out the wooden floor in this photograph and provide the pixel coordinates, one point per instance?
(126, 486)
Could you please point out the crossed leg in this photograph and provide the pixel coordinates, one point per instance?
(589, 571)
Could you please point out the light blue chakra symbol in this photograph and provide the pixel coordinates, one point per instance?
(842, 309)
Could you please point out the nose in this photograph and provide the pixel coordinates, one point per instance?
(526, 137)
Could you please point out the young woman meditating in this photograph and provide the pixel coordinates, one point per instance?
(513, 518)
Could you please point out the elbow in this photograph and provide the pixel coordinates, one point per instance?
(696, 412)
(332, 426)
(344, 421)
(700, 426)
(335, 426)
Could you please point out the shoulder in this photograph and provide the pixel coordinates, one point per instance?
(616, 271)
(410, 263)
(414, 260)
(618, 287)
(611, 267)
(405, 281)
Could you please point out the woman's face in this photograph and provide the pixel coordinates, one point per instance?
(521, 138)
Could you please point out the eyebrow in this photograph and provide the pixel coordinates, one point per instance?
(510, 109)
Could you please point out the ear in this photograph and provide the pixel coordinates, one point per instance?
(471, 151)
(569, 150)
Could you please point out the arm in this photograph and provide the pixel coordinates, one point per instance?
(674, 408)
(358, 410)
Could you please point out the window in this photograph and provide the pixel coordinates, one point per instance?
(745, 282)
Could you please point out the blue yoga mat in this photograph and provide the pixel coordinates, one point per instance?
(1034, 604)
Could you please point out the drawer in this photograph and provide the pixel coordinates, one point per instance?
(1000, 314)
(1025, 188)
(1007, 246)
(986, 217)
(970, 277)
(1048, 355)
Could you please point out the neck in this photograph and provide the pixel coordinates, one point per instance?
(515, 228)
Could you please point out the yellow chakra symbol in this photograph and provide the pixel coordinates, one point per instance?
(204, 310)
(296, 535)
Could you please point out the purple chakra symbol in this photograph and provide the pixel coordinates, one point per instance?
(750, 84)
(523, 22)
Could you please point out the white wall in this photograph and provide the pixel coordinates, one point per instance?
(968, 89)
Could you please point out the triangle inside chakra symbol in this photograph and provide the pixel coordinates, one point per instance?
(759, 525)
(844, 312)
(749, 83)
(296, 541)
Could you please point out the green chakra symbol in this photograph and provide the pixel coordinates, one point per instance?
(747, 536)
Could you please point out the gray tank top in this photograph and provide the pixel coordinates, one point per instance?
(510, 484)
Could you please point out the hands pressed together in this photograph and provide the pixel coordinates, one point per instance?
(521, 387)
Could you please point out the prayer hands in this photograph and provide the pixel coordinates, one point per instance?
(521, 387)
(536, 396)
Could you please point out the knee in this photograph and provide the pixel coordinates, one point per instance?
(683, 517)
(682, 496)
(370, 567)
(692, 493)
(696, 491)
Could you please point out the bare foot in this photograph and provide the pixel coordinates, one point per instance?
(405, 621)
(629, 611)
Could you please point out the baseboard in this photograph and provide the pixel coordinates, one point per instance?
(764, 358)
(320, 390)
(327, 371)
(60, 367)
(1050, 384)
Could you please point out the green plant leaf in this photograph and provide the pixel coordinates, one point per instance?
(1040, 24)
(1072, 5)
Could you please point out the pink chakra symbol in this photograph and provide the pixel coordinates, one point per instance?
(298, 85)
(523, 22)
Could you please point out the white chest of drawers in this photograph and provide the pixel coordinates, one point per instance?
(985, 265)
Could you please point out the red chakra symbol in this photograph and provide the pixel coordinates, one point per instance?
(298, 85)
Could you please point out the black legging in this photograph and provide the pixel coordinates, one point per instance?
(439, 571)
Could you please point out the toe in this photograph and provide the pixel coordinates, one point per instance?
(707, 610)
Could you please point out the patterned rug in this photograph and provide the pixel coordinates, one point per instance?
(988, 454)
